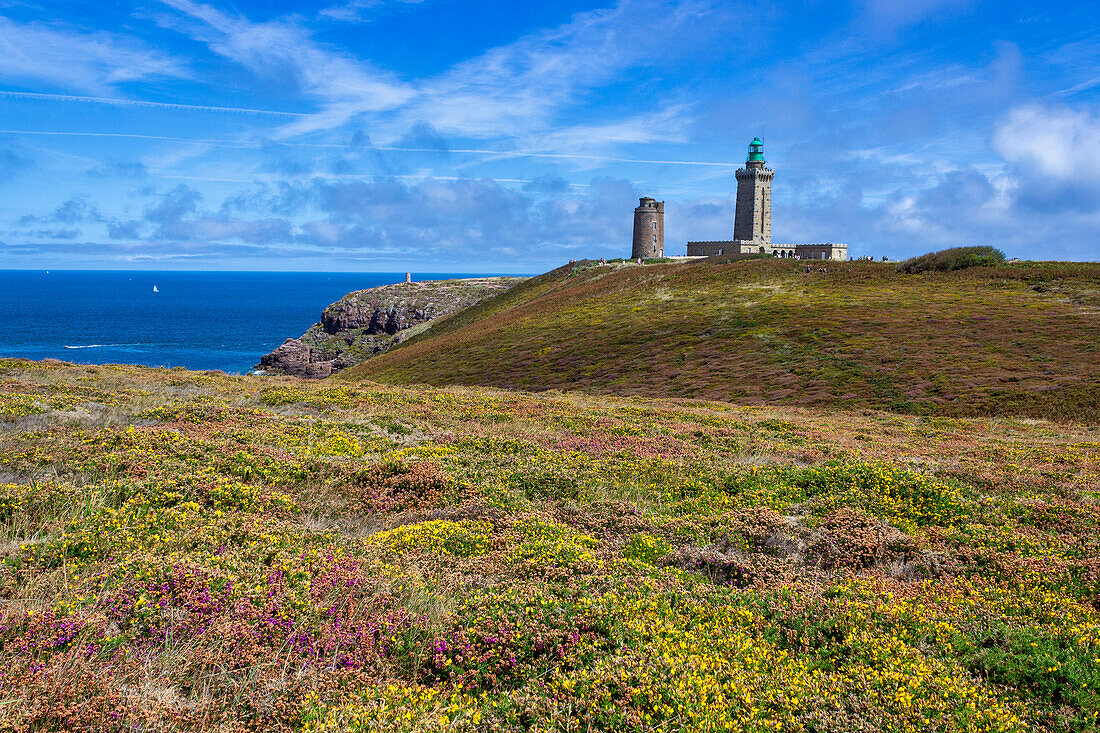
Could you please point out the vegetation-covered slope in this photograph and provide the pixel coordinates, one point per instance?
(1016, 339)
(192, 551)
(369, 322)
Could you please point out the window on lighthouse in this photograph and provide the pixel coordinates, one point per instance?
(654, 237)
(654, 224)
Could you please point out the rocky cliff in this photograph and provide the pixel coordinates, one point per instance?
(369, 322)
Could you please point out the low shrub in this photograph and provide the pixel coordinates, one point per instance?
(850, 538)
(544, 485)
(955, 258)
(541, 544)
(645, 548)
(889, 492)
(733, 569)
(397, 486)
(1051, 667)
(466, 538)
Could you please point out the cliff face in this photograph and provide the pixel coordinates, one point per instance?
(369, 322)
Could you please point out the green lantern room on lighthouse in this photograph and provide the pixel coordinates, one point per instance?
(756, 151)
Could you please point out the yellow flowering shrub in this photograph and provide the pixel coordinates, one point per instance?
(460, 539)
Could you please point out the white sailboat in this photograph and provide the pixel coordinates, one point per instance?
(155, 289)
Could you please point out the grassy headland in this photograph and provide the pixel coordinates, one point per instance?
(1015, 339)
(193, 551)
(368, 322)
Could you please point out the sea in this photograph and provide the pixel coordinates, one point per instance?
(198, 320)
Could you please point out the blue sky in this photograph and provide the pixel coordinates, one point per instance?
(445, 135)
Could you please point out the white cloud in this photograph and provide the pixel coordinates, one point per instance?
(285, 51)
(665, 125)
(518, 88)
(889, 15)
(358, 11)
(1056, 141)
(72, 59)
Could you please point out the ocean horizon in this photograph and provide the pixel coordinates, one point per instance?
(211, 320)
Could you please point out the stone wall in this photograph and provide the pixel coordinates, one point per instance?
(709, 249)
(825, 251)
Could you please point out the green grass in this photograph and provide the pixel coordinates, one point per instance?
(1016, 339)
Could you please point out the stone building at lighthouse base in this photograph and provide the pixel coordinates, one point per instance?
(823, 251)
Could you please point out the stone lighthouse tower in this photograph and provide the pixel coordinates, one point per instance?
(752, 218)
(649, 229)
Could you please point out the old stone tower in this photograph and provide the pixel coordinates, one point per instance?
(752, 218)
(649, 229)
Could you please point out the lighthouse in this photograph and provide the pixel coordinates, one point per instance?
(752, 217)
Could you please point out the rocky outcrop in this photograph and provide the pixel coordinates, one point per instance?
(369, 322)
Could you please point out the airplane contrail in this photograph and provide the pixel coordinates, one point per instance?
(143, 103)
(386, 148)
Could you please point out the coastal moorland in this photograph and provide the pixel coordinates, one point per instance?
(196, 551)
(1020, 338)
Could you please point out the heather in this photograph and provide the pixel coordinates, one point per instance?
(1018, 339)
(195, 551)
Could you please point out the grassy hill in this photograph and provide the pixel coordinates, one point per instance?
(195, 551)
(1017, 339)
